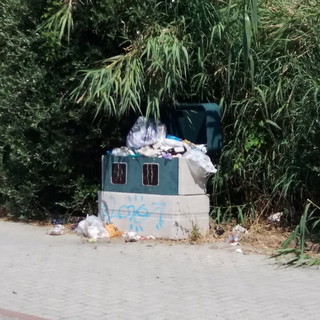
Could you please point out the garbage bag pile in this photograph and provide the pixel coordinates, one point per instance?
(149, 138)
(94, 228)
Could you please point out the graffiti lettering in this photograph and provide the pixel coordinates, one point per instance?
(135, 211)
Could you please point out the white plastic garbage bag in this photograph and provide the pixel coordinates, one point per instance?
(199, 163)
(92, 227)
(123, 152)
(276, 217)
(145, 132)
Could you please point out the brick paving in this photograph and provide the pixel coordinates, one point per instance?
(65, 277)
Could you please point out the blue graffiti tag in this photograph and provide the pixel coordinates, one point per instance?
(134, 210)
(136, 215)
(106, 213)
(158, 207)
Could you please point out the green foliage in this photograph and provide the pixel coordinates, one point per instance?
(298, 237)
(195, 234)
(120, 84)
(50, 149)
(272, 129)
(242, 214)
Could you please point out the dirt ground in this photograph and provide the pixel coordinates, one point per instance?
(260, 237)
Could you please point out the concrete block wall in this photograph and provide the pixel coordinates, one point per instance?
(163, 216)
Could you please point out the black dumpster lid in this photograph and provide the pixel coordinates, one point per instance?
(199, 123)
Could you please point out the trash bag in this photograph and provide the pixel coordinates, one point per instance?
(92, 227)
(114, 232)
(123, 152)
(145, 132)
(199, 163)
(56, 230)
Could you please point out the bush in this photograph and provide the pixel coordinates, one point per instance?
(50, 146)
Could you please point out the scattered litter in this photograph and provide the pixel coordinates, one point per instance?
(149, 138)
(172, 143)
(239, 250)
(170, 148)
(169, 136)
(56, 230)
(275, 217)
(239, 229)
(92, 227)
(75, 221)
(314, 247)
(233, 238)
(123, 151)
(179, 150)
(133, 237)
(74, 226)
(130, 236)
(148, 151)
(57, 221)
(113, 231)
(166, 155)
(218, 230)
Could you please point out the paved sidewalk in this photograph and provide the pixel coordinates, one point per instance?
(65, 277)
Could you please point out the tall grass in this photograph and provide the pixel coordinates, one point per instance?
(295, 245)
(272, 134)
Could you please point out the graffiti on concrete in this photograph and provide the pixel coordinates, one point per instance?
(135, 210)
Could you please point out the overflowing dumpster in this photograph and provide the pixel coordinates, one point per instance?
(159, 188)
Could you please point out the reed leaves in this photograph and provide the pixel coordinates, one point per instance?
(148, 73)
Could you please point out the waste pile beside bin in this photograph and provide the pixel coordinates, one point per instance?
(157, 184)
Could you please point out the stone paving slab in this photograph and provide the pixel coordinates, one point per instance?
(65, 277)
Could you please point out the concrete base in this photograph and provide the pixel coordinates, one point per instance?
(163, 216)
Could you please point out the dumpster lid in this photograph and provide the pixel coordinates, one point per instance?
(199, 123)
